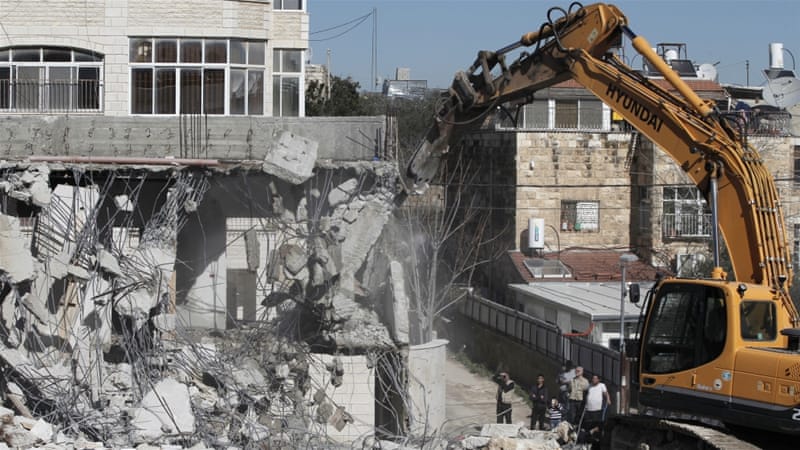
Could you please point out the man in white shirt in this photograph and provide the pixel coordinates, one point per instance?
(597, 400)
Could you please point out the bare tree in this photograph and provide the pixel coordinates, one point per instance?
(442, 237)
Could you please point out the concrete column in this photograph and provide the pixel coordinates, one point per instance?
(427, 386)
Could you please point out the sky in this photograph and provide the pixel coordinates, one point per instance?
(436, 38)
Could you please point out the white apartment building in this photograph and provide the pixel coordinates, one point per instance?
(153, 57)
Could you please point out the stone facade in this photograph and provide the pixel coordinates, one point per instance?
(557, 167)
(105, 27)
(626, 180)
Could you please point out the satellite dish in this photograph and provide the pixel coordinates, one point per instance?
(783, 92)
(707, 71)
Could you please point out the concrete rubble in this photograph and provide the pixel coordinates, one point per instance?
(491, 437)
(94, 354)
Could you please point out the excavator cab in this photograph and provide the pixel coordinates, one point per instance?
(714, 349)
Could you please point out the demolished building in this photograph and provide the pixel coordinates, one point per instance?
(115, 271)
(185, 259)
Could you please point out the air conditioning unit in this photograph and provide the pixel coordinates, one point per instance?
(536, 233)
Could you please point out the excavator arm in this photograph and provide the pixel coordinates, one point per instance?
(702, 142)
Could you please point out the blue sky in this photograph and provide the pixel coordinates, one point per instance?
(435, 38)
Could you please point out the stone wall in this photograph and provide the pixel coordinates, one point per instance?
(655, 169)
(556, 167)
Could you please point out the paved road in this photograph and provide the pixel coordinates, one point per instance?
(471, 401)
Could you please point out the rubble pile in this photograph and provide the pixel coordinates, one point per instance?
(93, 353)
(492, 437)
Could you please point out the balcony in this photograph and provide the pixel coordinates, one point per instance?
(686, 226)
(50, 97)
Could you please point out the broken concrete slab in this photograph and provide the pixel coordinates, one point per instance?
(290, 157)
(166, 409)
(501, 429)
(15, 257)
(343, 192)
(42, 430)
(108, 262)
(123, 203)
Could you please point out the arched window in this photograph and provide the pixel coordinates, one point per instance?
(50, 80)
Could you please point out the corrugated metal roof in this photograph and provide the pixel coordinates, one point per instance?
(598, 300)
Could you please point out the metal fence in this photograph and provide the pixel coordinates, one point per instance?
(26, 96)
(544, 338)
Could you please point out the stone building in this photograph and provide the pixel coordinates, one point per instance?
(600, 186)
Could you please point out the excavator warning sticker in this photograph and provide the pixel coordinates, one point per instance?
(726, 376)
(592, 35)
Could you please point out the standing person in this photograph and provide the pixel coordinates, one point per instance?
(597, 400)
(556, 412)
(578, 387)
(564, 379)
(539, 398)
(505, 392)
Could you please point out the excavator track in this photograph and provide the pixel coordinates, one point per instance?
(653, 433)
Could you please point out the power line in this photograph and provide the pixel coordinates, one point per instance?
(358, 21)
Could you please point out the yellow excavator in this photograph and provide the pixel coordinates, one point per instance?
(720, 349)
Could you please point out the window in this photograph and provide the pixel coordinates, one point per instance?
(288, 4)
(536, 114)
(197, 76)
(287, 66)
(50, 80)
(685, 213)
(687, 328)
(563, 114)
(566, 114)
(758, 320)
(690, 265)
(580, 215)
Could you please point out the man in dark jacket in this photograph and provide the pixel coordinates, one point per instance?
(540, 399)
(505, 389)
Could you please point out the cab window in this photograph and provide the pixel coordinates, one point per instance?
(686, 328)
(758, 321)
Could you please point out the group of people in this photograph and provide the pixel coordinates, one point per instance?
(579, 401)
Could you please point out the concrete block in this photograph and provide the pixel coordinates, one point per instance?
(501, 429)
(343, 192)
(15, 257)
(166, 408)
(290, 158)
(42, 430)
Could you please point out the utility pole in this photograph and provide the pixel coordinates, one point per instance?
(747, 68)
(374, 69)
(328, 77)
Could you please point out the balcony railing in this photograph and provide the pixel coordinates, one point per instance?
(34, 96)
(686, 225)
